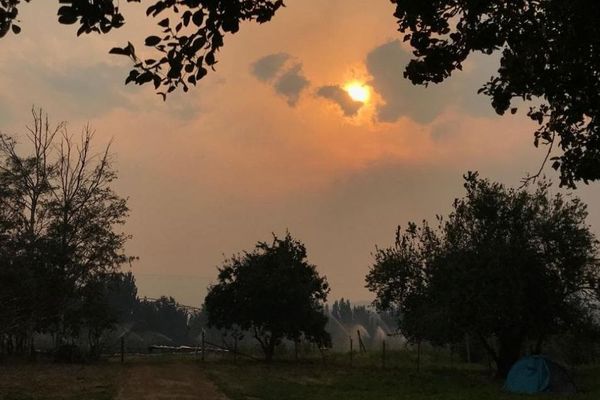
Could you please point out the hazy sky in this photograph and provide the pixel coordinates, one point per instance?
(269, 141)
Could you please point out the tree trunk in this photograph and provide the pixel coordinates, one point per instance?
(509, 351)
(269, 350)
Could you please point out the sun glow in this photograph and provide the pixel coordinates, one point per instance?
(358, 91)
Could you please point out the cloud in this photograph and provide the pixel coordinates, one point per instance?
(340, 97)
(291, 84)
(266, 68)
(288, 81)
(82, 90)
(386, 64)
(441, 131)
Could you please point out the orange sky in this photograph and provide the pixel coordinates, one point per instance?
(213, 171)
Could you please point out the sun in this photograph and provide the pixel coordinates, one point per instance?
(358, 91)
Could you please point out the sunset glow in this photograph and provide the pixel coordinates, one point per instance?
(358, 91)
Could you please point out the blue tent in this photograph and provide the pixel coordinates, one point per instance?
(535, 374)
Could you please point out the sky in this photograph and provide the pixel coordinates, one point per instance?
(271, 141)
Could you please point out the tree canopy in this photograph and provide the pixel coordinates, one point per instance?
(272, 292)
(508, 267)
(60, 243)
(190, 33)
(549, 55)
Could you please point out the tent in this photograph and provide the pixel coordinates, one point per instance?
(534, 374)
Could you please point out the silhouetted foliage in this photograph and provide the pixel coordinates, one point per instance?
(164, 316)
(191, 33)
(550, 56)
(272, 292)
(59, 247)
(509, 265)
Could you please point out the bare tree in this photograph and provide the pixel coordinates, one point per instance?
(57, 227)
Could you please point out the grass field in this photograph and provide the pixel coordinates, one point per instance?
(21, 381)
(173, 378)
(319, 382)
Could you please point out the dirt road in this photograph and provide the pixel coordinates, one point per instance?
(170, 381)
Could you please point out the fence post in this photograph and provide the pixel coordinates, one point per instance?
(203, 344)
(383, 354)
(296, 348)
(419, 355)
(351, 351)
(361, 345)
(235, 346)
(468, 346)
(122, 349)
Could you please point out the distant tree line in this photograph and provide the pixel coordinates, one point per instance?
(374, 325)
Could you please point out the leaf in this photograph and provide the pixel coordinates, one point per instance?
(198, 17)
(132, 76)
(131, 50)
(210, 58)
(81, 30)
(67, 19)
(152, 41)
(201, 73)
(164, 23)
(186, 17)
(157, 81)
(120, 51)
(16, 29)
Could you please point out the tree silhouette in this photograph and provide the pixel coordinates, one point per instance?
(549, 57)
(59, 232)
(272, 292)
(506, 265)
(191, 32)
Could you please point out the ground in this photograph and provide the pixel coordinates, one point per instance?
(185, 378)
(141, 379)
(167, 381)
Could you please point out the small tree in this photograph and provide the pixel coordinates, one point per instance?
(273, 292)
(507, 267)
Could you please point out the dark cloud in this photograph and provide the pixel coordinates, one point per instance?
(339, 96)
(269, 66)
(87, 91)
(287, 80)
(291, 84)
(95, 89)
(84, 91)
(387, 63)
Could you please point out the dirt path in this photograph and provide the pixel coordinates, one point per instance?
(176, 381)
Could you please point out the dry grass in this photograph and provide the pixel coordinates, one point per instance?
(44, 381)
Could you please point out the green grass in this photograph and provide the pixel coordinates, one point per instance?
(311, 380)
(46, 381)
